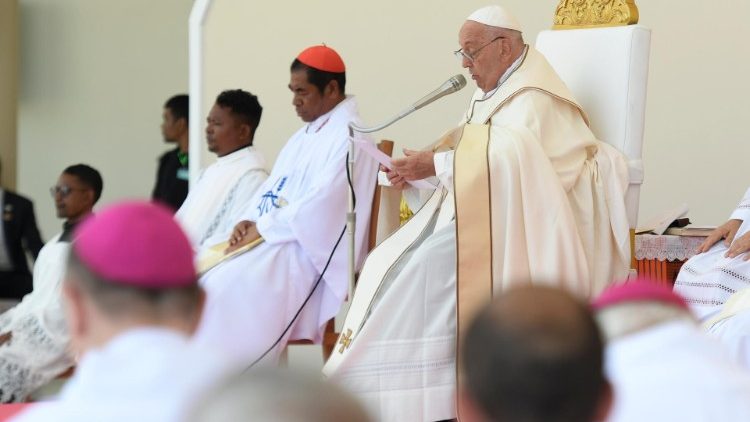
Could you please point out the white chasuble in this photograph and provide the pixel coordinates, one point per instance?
(300, 212)
(221, 195)
(556, 214)
(38, 351)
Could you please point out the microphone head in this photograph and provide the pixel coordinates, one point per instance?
(457, 82)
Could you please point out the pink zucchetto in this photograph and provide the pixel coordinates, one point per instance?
(639, 290)
(136, 243)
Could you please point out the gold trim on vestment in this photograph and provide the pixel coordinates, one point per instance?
(471, 179)
(532, 88)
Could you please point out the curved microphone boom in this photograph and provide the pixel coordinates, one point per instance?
(450, 86)
(455, 83)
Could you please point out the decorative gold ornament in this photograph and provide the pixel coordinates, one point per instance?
(405, 213)
(571, 14)
(345, 341)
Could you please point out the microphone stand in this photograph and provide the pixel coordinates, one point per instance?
(450, 86)
(351, 216)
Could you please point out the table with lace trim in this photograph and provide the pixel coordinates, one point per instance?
(660, 257)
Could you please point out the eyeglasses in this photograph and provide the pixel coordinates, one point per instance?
(461, 54)
(62, 190)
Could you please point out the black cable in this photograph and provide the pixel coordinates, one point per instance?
(317, 282)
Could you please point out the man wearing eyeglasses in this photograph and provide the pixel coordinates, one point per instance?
(34, 340)
(527, 195)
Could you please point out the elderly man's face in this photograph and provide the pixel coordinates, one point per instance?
(488, 65)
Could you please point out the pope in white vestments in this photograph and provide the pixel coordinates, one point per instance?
(715, 282)
(35, 340)
(258, 300)
(537, 198)
(224, 189)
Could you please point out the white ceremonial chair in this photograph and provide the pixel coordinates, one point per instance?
(606, 68)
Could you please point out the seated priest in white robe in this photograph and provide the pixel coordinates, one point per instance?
(293, 282)
(662, 366)
(34, 340)
(719, 271)
(537, 197)
(130, 318)
(224, 189)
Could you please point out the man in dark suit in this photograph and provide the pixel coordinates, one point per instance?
(18, 234)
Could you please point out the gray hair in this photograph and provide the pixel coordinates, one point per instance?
(276, 395)
(627, 318)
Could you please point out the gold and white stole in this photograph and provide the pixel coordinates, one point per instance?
(386, 255)
(471, 179)
(738, 302)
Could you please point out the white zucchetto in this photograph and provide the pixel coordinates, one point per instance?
(495, 16)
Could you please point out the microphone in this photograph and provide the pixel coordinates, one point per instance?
(455, 83)
(450, 86)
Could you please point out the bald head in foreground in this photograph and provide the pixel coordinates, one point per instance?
(277, 395)
(535, 354)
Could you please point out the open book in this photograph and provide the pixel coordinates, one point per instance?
(659, 223)
(696, 231)
(215, 255)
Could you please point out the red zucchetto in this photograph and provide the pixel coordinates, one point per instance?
(323, 58)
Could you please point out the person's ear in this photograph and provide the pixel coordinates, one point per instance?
(198, 314)
(90, 197)
(246, 132)
(606, 402)
(470, 410)
(182, 124)
(76, 314)
(505, 45)
(331, 89)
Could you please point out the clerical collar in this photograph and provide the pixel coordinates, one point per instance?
(513, 67)
(233, 154)
(316, 125)
(68, 229)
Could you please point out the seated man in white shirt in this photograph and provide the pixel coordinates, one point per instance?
(220, 196)
(34, 339)
(662, 366)
(132, 301)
